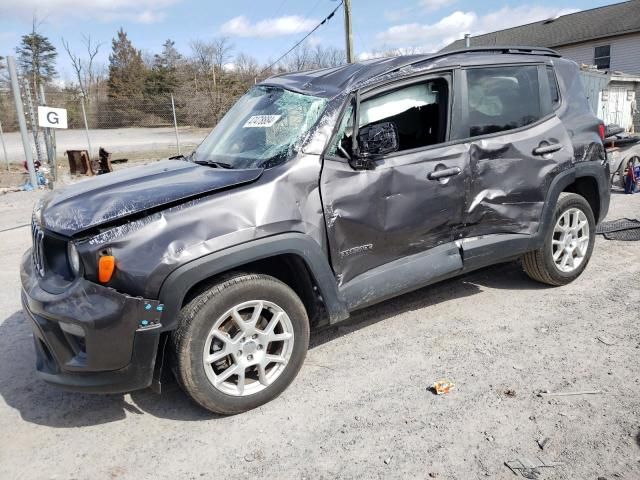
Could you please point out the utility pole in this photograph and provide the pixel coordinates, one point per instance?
(347, 30)
(15, 86)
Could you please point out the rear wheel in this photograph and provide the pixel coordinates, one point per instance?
(568, 246)
(635, 161)
(240, 343)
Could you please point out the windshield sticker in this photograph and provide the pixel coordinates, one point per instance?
(262, 121)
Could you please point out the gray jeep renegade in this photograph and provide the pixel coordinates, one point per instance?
(318, 194)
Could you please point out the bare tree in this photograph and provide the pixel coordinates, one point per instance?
(327, 57)
(86, 72)
(299, 59)
(222, 49)
(246, 67)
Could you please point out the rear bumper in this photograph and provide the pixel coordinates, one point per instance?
(89, 337)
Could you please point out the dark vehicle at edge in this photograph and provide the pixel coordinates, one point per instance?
(318, 194)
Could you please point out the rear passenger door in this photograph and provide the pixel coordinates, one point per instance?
(516, 146)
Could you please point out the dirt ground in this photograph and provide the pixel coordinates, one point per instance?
(361, 407)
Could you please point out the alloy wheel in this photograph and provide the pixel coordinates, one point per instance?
(570, 241)
(248, 348)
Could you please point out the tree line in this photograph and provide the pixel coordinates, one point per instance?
(135, 87)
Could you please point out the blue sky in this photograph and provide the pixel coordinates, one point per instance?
(266, 28)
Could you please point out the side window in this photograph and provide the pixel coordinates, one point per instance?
(419, 112)
(553, 87)
(602, 57)
(502, 98)
(343, 144)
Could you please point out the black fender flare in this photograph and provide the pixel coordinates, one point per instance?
(591, 169)
(178, 283)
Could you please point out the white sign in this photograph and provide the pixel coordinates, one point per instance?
(52, 117)
(262, 121)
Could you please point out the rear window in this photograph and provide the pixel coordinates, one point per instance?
(502, 98)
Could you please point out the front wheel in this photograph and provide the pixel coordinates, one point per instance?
(240, 343)
(568, 246)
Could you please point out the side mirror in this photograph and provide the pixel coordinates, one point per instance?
(378, 139)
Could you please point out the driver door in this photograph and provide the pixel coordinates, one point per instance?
(409, 201)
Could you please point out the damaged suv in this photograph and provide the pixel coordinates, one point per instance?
(318, 194)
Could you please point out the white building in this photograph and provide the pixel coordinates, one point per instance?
(607, 37)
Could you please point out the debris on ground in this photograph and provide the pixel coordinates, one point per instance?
(542, 442)
(530, 468)
(387, 461)
(441, 387)
(510, 392)
(546, 393)
(606, 341)
(626, 229)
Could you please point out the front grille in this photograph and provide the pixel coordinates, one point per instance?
(37, 236)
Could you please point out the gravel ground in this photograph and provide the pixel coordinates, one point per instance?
(361, 407)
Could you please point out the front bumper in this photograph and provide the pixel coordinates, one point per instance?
(89, 337)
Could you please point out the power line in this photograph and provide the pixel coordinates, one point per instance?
(327, 18)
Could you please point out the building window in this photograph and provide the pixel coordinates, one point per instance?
(602, 57)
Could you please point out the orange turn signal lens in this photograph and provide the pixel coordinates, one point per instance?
(106, 267)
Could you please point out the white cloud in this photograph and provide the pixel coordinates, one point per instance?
(432, 37)
(138, 11)
(271, 27)
(433, 5)
(428, 34)
(428, 6)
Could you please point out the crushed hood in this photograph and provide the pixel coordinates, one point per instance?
(128, 192)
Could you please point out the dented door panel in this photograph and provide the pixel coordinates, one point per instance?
(509, 183)
(377, 216)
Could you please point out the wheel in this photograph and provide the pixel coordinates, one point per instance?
(568, 246)
(623, 168)
(240, 343)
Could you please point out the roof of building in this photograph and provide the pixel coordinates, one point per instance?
(331, 82)
(601, 22)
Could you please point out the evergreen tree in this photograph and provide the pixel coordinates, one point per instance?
(37, 58)
(126, 69)
(163, 77)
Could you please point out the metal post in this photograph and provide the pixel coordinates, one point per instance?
(467, 40)
(33, 120)
(348, 31)
(86, 125)
(15, 86)
(4, 147)
(47, 139)
(175, 124)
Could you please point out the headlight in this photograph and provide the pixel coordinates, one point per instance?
(74, 259)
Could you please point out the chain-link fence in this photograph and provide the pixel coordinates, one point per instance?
(136, 128)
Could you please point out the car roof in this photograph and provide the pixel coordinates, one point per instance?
(331, 82)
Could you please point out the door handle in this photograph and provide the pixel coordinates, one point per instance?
(545, 149)
(444, 173)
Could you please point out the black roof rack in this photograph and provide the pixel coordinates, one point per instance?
(506, 50)
(502, 49)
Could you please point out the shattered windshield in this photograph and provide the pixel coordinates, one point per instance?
(263, 129)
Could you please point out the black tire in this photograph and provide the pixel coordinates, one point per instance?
(539, 264)
(621, 169)
(198, 317)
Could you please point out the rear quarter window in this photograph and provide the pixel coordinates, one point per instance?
(554, 91)
(502, 98)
